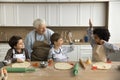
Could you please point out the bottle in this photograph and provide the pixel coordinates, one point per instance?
(86, 38)
(88, 61)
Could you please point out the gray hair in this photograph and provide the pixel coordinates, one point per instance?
(38, 22)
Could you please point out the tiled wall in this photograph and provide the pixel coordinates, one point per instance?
(7, 32)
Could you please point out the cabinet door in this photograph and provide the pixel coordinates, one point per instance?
(99, 14)
(53, 14)
(114, 23)
(68, 14)
(3, 50)
(85, 52)
(84, 13)
(8, 15)
(41, 12)
(2, 15)
(26, 14)
(73, 55)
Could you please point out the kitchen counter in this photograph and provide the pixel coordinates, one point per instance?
(50, 73)
(79, 43)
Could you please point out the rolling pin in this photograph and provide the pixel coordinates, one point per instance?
(82, 64)
(75, 69)
(20, 70)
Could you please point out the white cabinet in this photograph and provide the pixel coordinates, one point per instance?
(114, 22)
(2, 15)
(8, 14)
(80, 52)
(79, 14)
(84, 13)
(3, 50)
(99, 14)
(68, 14)
(55, 14)
(26, 14)
(85, 52)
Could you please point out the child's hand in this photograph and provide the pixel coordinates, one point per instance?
(90, 23)
(20, 60)
(28, 60)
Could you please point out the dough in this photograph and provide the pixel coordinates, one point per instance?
(102, 65)
(21, 65)
(63, 65)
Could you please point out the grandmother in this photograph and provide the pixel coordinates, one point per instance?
(38, 38)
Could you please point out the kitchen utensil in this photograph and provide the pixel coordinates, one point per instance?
(81, 63)
(75, 69)
(19, 70)
(43, 64)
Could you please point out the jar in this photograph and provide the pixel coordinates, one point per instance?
(86, 38)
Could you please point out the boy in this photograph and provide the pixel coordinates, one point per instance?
(17, 53)
(58, 52)
(99, 38)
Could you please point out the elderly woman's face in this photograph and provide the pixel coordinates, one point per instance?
(41, 29)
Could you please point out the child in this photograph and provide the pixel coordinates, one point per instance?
(17, 53)
(58, 52)
(99, 41)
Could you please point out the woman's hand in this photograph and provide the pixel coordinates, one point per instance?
(90, 23)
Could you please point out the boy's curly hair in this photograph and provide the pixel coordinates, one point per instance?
(102, 33)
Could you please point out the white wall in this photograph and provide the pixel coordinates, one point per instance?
(114, 21)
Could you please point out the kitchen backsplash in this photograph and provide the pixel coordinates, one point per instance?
(78, 33)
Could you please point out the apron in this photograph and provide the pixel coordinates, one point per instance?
(99, 53)
(59, 56)
(20, 56)
(40, 50)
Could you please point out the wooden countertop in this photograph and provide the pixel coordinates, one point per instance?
(50, 73)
